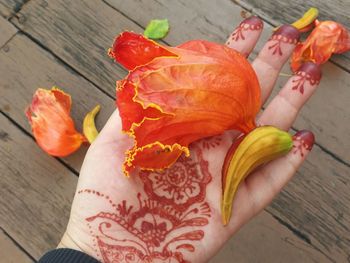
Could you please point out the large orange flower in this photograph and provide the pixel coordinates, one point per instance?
(53, 128)
(327, 37)
(174, 96)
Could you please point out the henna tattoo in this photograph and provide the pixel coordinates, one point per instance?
(308, 72)
(211, 142)
(303, 141)
(285, 34)
(168, 218)
(250, 24)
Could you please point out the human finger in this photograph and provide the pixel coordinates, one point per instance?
(246, 35)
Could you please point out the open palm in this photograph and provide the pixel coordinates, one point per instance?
(174, 216)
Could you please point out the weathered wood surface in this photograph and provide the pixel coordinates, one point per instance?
(10, 252)
(25, 67)
(264, 240)
(80, 33)
(315, 205)
(278, 12)
(84, 47)
(10, 7)
(7, 30)
(36, 192)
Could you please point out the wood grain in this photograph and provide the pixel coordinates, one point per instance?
(36, 192)
(10, 7)
(80, 33)
(7, 30)
(10, 252)
(264, 239)
(25, 67)
(278, 12)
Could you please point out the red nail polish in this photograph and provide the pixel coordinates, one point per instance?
(253, 23)
(303, 140)
(287, 34)
(308, 71)
(312, 70)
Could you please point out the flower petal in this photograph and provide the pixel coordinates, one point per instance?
(52, 126)
(327, 38)
(132, 50)
(174, 101)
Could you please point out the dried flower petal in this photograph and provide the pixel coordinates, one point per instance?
(199, 90)
(52, 126)
(327, 38)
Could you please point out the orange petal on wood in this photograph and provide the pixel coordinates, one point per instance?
(52, 126)
(327, 38)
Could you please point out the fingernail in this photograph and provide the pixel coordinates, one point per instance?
(287, 34)
(311, 71)
(303, 139)
(251, 23)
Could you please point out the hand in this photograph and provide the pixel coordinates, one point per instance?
(175, 216)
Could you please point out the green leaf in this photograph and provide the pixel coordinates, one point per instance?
(157, 29)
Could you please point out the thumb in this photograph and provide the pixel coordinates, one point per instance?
(268, 181)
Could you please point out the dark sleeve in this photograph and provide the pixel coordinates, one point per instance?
(66, 255)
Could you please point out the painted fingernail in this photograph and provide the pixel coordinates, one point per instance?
(312, 71)
(252, 23)
(303, 141)
(308, 71)
(287, 34)
(284, 34)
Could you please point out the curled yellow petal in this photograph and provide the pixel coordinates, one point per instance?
(306, 20)
(89, 127)
(261, 145)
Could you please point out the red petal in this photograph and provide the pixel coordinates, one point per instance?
(132, 50)
(52, 126)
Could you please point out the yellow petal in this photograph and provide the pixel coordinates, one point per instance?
(89, 128)
(308, 18)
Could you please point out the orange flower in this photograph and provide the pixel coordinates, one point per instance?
(174, 96)
(52, 126)
(327, 37)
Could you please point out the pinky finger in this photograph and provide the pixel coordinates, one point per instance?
(268, 181)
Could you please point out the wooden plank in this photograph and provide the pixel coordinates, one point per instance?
(214, 20)
(278, 12)
(25, 66)
(81, 34)
(36, 193)
(265, 240)
(7, 30)
(10, 252)
(10, 7)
